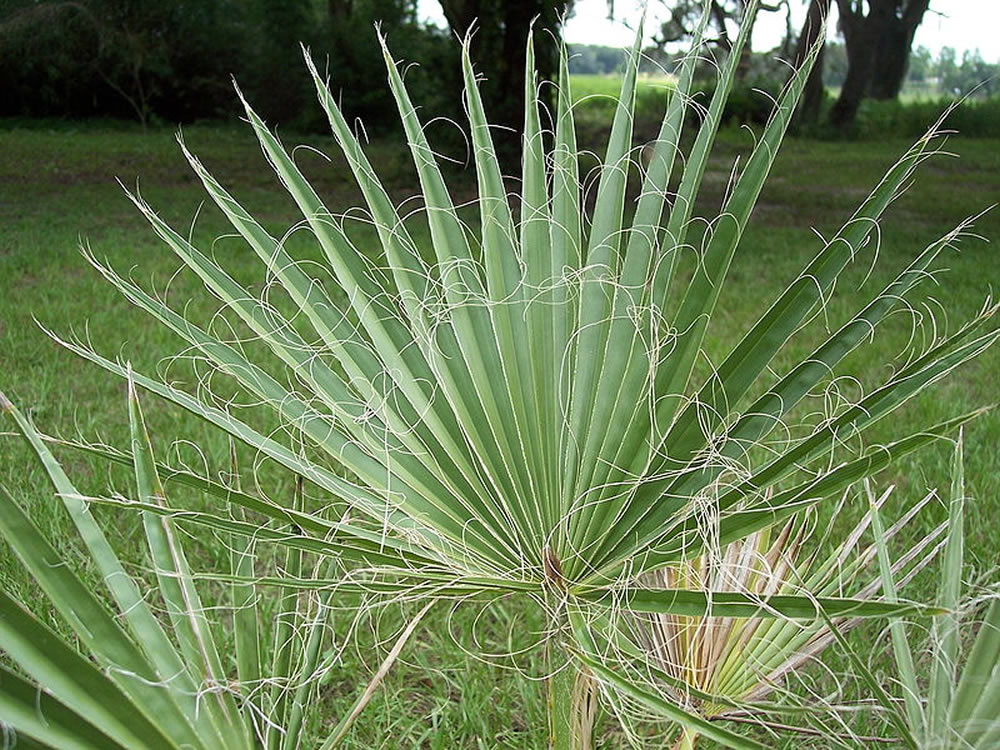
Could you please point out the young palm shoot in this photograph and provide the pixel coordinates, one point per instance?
(961, 705)
(721, 666)
(150, 684)
(516, 407)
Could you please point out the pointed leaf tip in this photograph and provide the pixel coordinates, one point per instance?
(5, 403)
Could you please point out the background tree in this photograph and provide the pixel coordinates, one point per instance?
(498, 53)
(174, 59)
(878, 47)
(973, 76)
(726, 18)
(813, 28)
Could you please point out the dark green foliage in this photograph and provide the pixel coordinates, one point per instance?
(120, 58)
(357, 70)
(595, 59)
(978, 118)
(174, 60)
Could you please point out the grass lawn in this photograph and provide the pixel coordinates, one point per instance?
(57, 188)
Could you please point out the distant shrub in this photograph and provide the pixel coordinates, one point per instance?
(972, 117)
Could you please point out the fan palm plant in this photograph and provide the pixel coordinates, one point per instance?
(522, 412)
(961, 706)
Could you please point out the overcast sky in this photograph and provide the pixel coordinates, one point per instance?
(962, 24)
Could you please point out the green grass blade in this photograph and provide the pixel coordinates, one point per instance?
(340, 731)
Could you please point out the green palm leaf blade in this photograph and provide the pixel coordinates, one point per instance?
(184, 607)
(517, 414)
(705, 288)
(409, 372)
(976, 704)
(940, 359)
(356, 545)
(410, 477)
(670, 376)
(765, 413)
(331, 537)
(900, 643)
(538, 292)
(471, 318)
(598, 275)
(288, 620)
(675, 713)
(751, 356)
(439, 342)
(566, 243)
(389, 335)
(625, 368)
(244, 598)
(506, 291)
(945, 629)
(74, 688)
(682, 208)
(693, 603)
(360, 497)
(688, 539)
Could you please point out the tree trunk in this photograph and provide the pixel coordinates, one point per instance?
(878, 49)
(498, 51)
(812, 29)
(859, 42)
